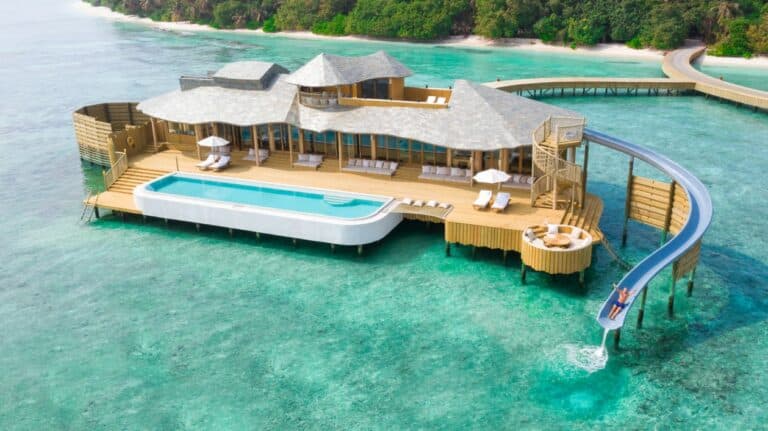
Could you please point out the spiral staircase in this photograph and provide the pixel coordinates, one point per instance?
(559, 179)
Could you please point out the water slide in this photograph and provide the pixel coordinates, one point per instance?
(699, 218)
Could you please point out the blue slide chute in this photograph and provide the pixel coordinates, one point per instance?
(699, 218)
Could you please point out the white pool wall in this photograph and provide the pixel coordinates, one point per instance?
(270, 221)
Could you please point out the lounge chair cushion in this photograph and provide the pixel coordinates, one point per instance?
(359, 163)
(432, 204)
(393, 166)
(443, 170)
(385, 166)
(315, 158)
(445, 205)
(575, 234)
(516, 178)
(303, 157)
(530, 180)
(418, 203)
(469, 173)
(407, 201)
(351, 162)
(426, 169)
(263, 153)
(553, 229)
(379, 164)
(366, 163)
(456, 172)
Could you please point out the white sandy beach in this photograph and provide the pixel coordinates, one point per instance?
(613, 50)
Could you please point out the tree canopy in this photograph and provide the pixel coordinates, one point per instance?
(733, 28)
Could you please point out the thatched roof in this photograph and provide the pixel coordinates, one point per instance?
(477, 117)
(327, 70)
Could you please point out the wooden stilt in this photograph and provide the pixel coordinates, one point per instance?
(165, 220)
(258, 235)
(197, 226)
(295, 242)
(616, 338)
(522, 273)
(96, 212)
(504, 257)
(360, 250)
(474, 251)
(448, 249)
(690, 281)
(231, 232)
(627, 202)
(333, 248)
(671, 301)
(641, 313)
(581, 279)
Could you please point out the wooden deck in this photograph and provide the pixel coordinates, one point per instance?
(677, 65)
(498, 230)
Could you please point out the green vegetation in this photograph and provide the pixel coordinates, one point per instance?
(732, 28)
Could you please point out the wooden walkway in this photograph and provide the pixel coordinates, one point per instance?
(677, 65)
(479, 228)
(573, 86)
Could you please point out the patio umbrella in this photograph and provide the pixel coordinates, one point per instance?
(491, 176)
(213, 142)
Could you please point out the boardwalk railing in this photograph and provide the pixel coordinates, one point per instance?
(116, 170)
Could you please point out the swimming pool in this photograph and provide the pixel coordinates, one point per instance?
(319, 215)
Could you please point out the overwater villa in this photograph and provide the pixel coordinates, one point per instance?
(341, 150)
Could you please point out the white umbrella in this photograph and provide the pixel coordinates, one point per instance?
(213, 142)
(491, 176)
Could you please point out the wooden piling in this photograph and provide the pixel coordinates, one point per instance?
(690, 282)
(641, 313)
(671, 301)
(627, 201)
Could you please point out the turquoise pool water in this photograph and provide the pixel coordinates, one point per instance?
(137, 325)
(294, 199)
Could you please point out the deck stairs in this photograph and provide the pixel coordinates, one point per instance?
(558, 182)
(133, 177)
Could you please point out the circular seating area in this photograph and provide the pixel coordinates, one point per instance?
(556, 248)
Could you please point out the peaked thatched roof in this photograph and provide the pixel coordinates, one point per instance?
(329, 70)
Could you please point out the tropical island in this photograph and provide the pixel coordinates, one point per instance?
(729, 28)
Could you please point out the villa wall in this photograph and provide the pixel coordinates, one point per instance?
(96, 127)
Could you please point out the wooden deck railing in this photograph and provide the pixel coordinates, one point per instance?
(116, 170)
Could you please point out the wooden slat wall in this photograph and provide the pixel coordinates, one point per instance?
(687, 262)
(94, 125)
(483, 236)
(649, 204)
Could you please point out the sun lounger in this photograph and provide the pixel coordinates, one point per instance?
(444, 173)
(432, 204)
(221, 164)
(205, 164)
(501, 202)
(408, 201)
(444, 205)
(431, 99)
(309, 160)
(419, 203)
(483, 199)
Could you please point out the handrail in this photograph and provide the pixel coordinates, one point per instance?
(699, 218)
(116, 170)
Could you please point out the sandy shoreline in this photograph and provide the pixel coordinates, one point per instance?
(612, 50)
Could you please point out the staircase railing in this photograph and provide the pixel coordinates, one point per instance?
(116, 170)
(554, 168)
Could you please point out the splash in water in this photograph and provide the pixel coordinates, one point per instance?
(588, 358)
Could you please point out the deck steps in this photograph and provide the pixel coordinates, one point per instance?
(134, 177)
(587, 217)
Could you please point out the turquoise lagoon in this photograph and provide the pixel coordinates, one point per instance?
(136, 325)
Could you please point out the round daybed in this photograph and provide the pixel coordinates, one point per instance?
(556, 249)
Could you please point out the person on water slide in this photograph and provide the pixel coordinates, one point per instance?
(619, 303)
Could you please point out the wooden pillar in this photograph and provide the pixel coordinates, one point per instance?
(373, 147)
(154, 131)
(520, 156)
(199, 137)
(255, 133)
(341, 153)
(215, 127)
(448, 157)
(668, 215)
(130, 114)
(503, 159)
(422, 152)
(290, 144)
(627, 201)
(271, 137)
(410, 151)
(477, 161)
(301, 141)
